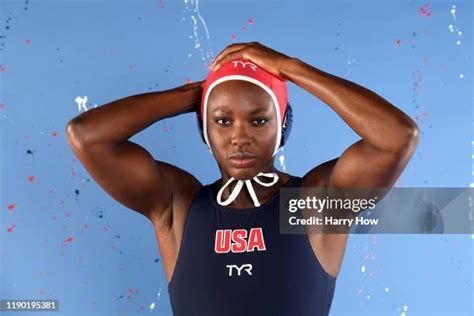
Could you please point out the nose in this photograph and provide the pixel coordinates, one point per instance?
(240, 135)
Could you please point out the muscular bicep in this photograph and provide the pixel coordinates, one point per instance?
(364, 166)
(128, 173)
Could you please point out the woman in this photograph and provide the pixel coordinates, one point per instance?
(220, 243)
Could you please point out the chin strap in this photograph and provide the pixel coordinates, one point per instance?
(248, 183)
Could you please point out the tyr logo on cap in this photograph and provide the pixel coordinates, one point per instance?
(243, 64)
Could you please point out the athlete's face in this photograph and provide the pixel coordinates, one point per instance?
(241, 119)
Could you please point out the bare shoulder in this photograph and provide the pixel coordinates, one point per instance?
(317, 177)
(328, 248)
(184, 187)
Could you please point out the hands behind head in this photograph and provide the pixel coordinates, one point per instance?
(264, 57)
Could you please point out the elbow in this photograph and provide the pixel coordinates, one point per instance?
(409, 139)
(74, 135)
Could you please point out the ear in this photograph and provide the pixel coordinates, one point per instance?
(287, 123)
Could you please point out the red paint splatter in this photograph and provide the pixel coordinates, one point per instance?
(424, 10)
(397, 42)
(11, 207)
(2, 69)
(189, 80)
(10, 229)
(244, 29)
(31, 178)
(2, 105)
(233, 37)
(250, 21)
(28, 41)
(69, 239)
(55, 134)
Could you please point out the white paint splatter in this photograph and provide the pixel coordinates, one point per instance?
(152, 305)
(387, 289)
(453, 28)
(192, 9)
(349, 62)
(282, 159)
(362, 269)
(453, 12)
(81, 103)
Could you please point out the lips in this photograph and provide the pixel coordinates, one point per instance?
(242, 155)
(242, 159)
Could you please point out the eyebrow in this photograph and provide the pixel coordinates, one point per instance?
(227, 110)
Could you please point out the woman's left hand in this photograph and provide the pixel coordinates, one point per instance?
(265, 57)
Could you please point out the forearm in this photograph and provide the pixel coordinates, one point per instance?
(117, 121)
(377, 121)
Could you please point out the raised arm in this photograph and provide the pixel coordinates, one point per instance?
(125, 170)
(389, 136)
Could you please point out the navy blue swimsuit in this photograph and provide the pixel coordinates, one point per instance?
(235, 262)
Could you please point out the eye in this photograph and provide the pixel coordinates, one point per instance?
(260, 121)
(222, 121)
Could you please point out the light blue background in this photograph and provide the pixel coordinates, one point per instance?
(54, 51)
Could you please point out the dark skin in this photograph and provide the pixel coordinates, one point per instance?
(241, 117)
(163, 192)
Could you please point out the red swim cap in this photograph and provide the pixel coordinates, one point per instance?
(244, 69)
